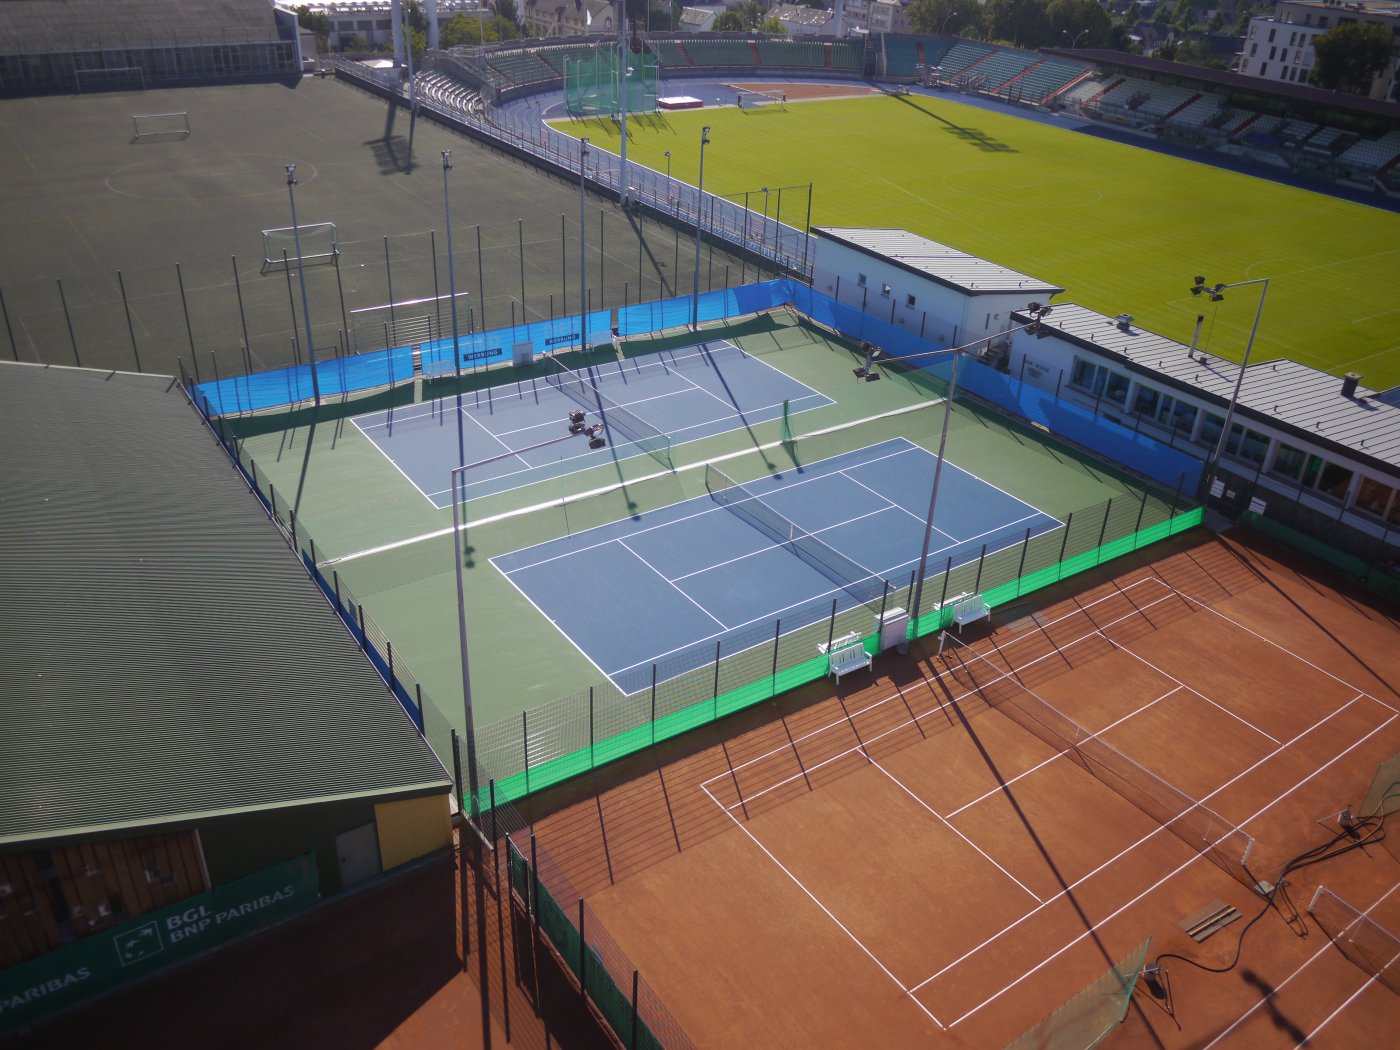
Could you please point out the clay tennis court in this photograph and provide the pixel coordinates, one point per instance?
(904, 862)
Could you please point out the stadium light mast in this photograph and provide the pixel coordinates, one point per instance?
(1074, 40)
(457, 526)
(301, 279)
(699, 217)
(622, 54)
(1200, 287)
(1036, 311)
(452, 296)
(950, 16)
(582, 247)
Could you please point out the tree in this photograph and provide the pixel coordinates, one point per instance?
(1349, 57)
(729, 22)
(1082, 23)
(1023, 23)
(315, 22)
(773, 26)
(507, 9)
(931, 16)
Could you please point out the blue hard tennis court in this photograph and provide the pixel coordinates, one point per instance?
(517, 433)
(670, 582)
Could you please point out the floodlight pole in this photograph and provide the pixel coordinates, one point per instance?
(1201, 286)
(582, 246)
(301, 279)
(457, 524)
(452, 296)
(622, 98)
(699, 218)
(1036, 311)
(943, 28)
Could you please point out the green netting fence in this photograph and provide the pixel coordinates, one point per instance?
(593, 86)
(628, 1005)
(1088, 1018)
(549, 744)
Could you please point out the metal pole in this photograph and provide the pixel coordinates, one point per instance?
(582, 247)
(14, 349)
(462, 642)
(921, 568)
(622, 98)
(451, 287)
(699, 210)
(1239, 379)
(480, 279)
(301, 278)
(131, 331)
(520, 240)
(247, 346)
(389, 278)
(184, 305)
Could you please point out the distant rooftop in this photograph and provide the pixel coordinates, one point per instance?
(919, 255)
(1303, 399)
(40, 26)
(166, 658)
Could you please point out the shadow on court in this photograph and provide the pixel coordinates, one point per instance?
(973, 136)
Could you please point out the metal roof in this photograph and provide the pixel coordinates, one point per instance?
(1281, 393)
(949, 266)
(41, 26)
(165, 656)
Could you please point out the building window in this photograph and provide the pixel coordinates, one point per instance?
(1273, 51)
(1116, 388)
(1292, 39)
(1253, 50)
(1378, 499)
(909, 300)
(1321, 21)
(1088, 376)
(1146, 402)
(1248, 445)
(1176, 414)
(1283, 73)
(1210, 430)
(1333, 480)
(1263, 68)
(885, 290)
(1271, 35)
(1288, 462)
(1283, 57)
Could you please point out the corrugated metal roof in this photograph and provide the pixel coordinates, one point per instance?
(1300, 398)
(165, 657)
(957, 269)
(33, 26)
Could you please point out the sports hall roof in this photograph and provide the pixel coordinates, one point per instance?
(165, 656)
(41, 26)
(919, 255)
(1302, 399)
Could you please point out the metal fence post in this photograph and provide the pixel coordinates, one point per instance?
(632, 1044)
(653, 704)
(777, 637)
(981, 561)
(1103, 531)
(591, 760)
(831, 627)
(525, 745)
(582, 957)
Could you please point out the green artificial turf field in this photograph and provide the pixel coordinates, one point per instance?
(1123, 229)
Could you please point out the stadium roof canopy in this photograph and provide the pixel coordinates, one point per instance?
(1221, 79)
(166, 657)
(40, 26)
(949, 266)
(1286, 393)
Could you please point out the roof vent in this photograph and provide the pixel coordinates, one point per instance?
(1349, 383)
(1125, 322)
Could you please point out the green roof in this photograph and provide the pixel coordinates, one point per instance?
(165, 656)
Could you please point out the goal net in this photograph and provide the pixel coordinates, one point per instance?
(148, 126)
(318, 244)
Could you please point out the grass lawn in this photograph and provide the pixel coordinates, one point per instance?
(1123, 229)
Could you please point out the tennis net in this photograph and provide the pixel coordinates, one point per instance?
(854, 579)
(653, 442)
(1192, 821)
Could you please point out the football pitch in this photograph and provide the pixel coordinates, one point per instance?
(1124, 229)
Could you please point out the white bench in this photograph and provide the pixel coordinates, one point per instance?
(968, 608)
(847, 659)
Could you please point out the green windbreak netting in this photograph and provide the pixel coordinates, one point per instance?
(593, 86)
(1086, 1019)
(788, 661)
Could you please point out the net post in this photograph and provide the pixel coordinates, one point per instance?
(582, 957)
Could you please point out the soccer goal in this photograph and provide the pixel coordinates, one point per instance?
(318, 244)
(148, 127)
(110, 78)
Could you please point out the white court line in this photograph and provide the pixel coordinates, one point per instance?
(567, 637)
(813, 897)
(396, 467)
(1276, 645)
(1060, 754)
(660, 575)
(603, 490)
(926, 807)
(498, 438)
(1159, 882)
